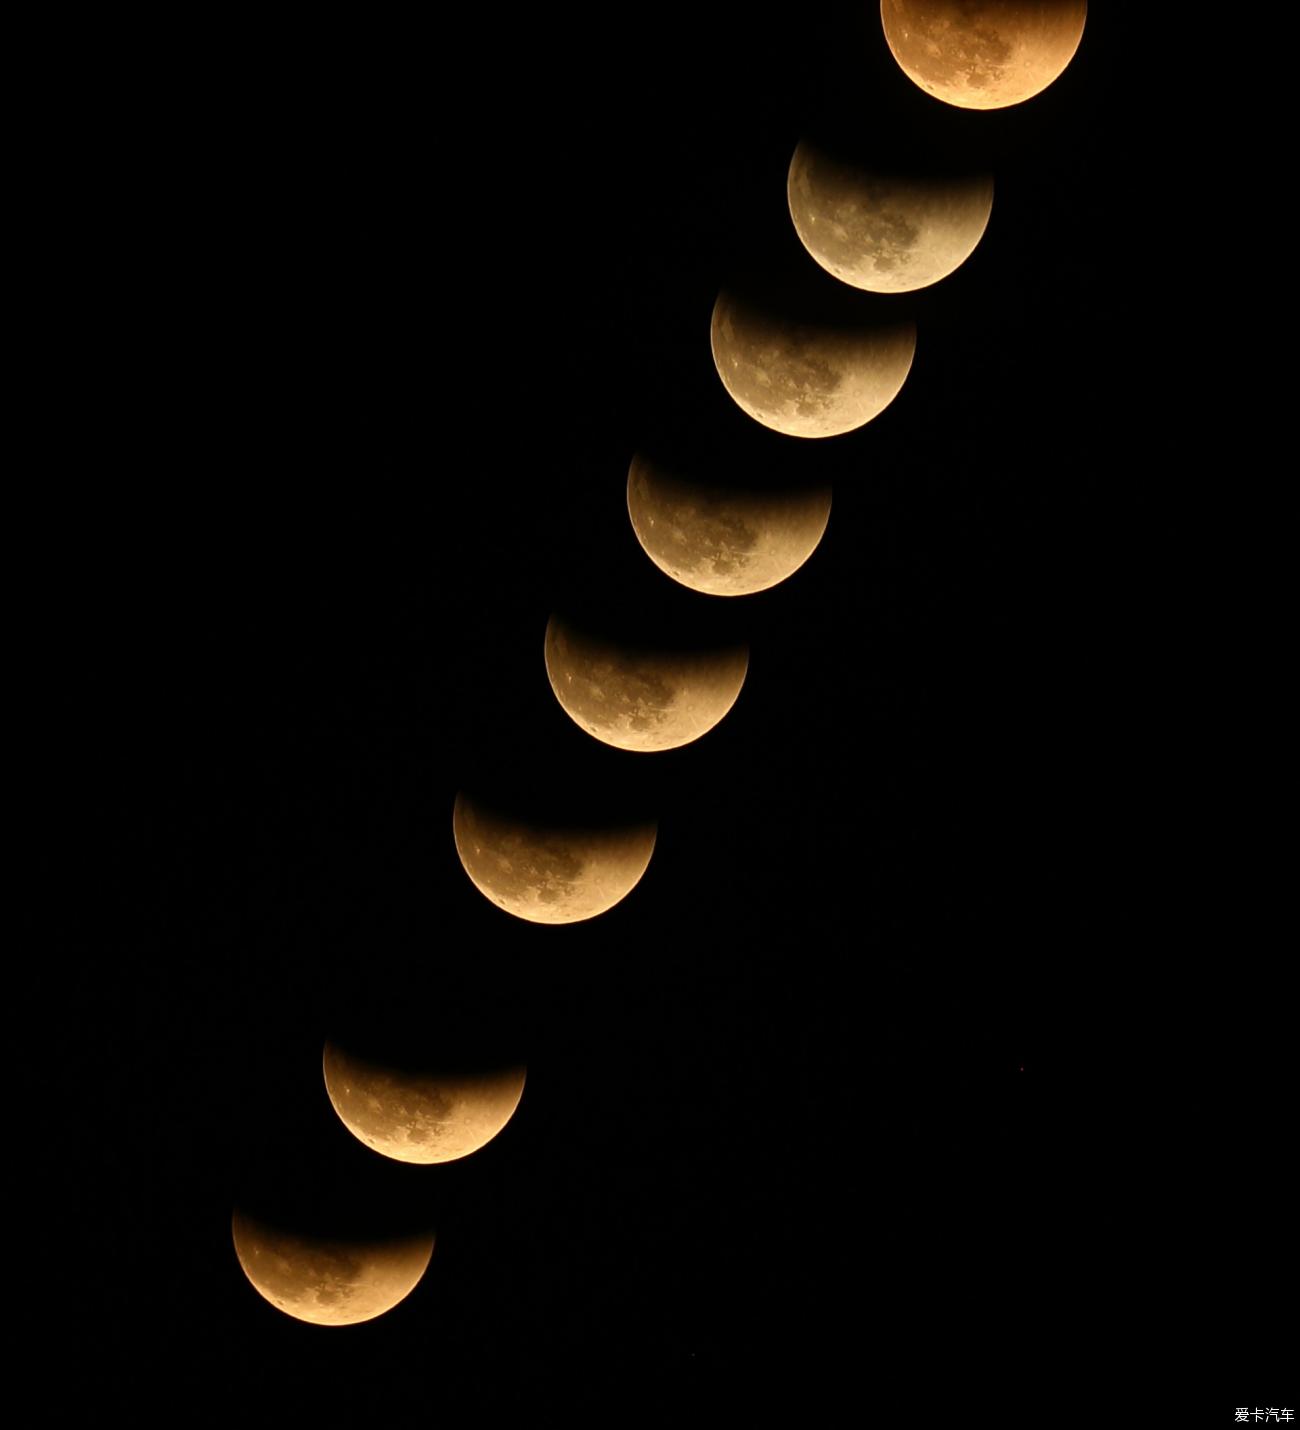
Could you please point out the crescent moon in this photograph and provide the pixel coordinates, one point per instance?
(549, 875)
(985, 55)
(807, 379)
(420, 1119)
(328, 1283)
(718, 540)
(637, 699)
(883, 233)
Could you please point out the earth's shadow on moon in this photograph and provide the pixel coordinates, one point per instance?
(798, 293)
(711, 448)
(316, 1181)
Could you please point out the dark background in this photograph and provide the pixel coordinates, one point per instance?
(853, 1094)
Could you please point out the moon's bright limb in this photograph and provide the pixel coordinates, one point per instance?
(638, 699)
(549, 875)
(884, 233)
(983, 54)
(419, 1117)
(807, 379)
(723, 541)
(329, 1283)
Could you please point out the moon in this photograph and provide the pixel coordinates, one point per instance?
(883, 233)
(723, 541)
(807, 379)
(639, 699)
(329, 1283)
(414, 1118)
(555, 875)
(983, 54)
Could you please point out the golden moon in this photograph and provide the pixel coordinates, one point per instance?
(807, 379)
(555, 875)
(329, 1283)
(883, 233)
(983, 54)
(415, 1118)
(723, 541)
(639, 699)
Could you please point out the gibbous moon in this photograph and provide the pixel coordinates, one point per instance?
(330, 1283)
(883, 233)
(807, 379)
(721, 540)
(638, 699)
(556, 875)
(983, 54)
(415, 1118)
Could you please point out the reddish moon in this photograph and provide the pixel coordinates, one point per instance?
(329, 1283)
(807, 378)
(549, 874)
(723, 540)
(420, 1118)
(983, 54)
(637, 698)
(880, 232)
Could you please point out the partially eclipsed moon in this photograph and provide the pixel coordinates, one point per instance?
(330, 1283)
(883, 233)
(556, 875)
(983, 54)
(807, 379)
(415, 1118)
(638, 699)
(720, 540)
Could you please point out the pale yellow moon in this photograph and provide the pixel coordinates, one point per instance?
(722, 541)
(883, 233)
(329, 1283)
(639, 699)
(549, 875)
(983, 54)
(807, 379)
(419, 1118)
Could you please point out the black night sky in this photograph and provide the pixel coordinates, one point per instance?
(839, 1101)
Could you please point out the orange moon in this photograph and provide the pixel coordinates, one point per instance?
(883, 233)
(549, 875)
(329, 1283)
(983, 54)
(723, 541)
(414, 1118)
(639, 699)
(807, 379)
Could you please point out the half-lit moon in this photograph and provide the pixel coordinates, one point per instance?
(807, 379)
(723, 541)
(884, 233)
(549, 874)
(330, 1283)
(983, 54)
(637, 698)
(420, 1118)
